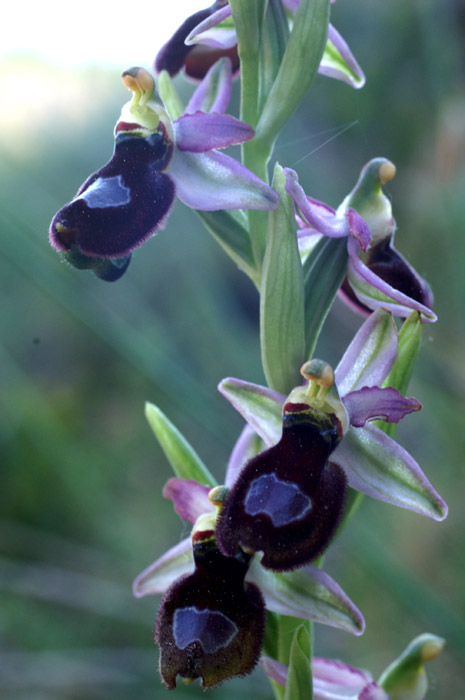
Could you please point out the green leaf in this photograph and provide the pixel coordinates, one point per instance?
(232, 237)
(273, 40)
(184, 460)
(247, 23)
(299, 684)
(298, 68)
(324, 271)
(169, 95)
(282, 296)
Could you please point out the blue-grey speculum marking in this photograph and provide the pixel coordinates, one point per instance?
(282, 501)
(210, 628)
(106, 192)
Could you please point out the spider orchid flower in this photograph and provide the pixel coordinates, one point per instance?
(372, 462)
(210, 33)
(378, 276)
(128, 200)
(211, 623)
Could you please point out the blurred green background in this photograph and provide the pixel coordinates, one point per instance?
(81, 474)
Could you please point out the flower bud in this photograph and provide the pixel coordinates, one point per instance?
(405, 678)
(381, 259)
(369, 200)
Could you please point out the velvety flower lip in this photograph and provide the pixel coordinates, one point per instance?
(210, 623)
(206, 30)
(373, 462)
(377, 274)
(129, 199)
(288, 499)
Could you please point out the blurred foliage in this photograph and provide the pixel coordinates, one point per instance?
(81, 474)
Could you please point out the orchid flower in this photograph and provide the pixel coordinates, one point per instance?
(377, 274)
(210, 33)
(199, 583)
(130, 198)
(210, 623)
(373, 463)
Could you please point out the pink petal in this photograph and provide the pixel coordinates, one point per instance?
(333, 228)
(203, 131)
(190, 499)
(358, 228)
(370, 403)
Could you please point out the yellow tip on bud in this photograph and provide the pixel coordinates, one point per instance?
(432, 649)
(386, 172)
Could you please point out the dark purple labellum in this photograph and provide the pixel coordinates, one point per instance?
(121, 205)
(195, 59)
(210, 624)
(202, 58)
(288, 499)
(390, 266)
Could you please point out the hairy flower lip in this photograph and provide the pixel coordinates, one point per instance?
(374, 463)
(210, 624)
(130, 198)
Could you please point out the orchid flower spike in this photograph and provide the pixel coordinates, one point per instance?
(154, 159)
(206, 35)
(377, 274)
